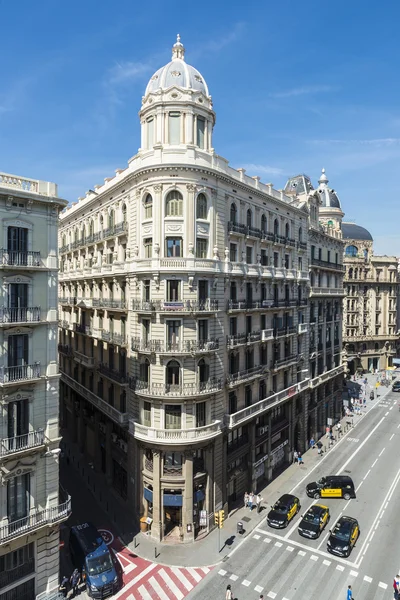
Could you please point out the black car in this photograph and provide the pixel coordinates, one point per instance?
(283, 511)
(343, 536)
(314, 521)
(396, 386)
(332, 486)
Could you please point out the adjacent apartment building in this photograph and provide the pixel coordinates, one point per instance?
(185, 320)
(31, 506)
(370, 327)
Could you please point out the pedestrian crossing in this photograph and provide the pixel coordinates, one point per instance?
(167, 583)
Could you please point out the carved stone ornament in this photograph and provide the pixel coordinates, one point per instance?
(174, 228)
(136, 250)
(156, 279)
(156, 248)
(216, 253)
(215, 283)
(213, 192)
(190, 187)
(202, 228)
(226, 252)
(22, 467)
(191, 248)
(191, 282)
(9, 201)
(243, 256)
(29, 205)
(226, 282)
(157, 188)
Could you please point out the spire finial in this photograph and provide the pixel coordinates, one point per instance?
(323, 178)
(178, 50)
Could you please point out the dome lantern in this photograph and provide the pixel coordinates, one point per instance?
(178, 49)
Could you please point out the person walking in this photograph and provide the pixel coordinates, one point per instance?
(64, 586)
(295, 456)
(300, 459)
(74, 582)
(251, 498)
(258, 503)
(229, 593)
(312, 443)
(396, 587)
(246, 499)
(349, 593)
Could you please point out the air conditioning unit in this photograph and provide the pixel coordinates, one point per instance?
(114, 437)
(261, 431)
(102, 427)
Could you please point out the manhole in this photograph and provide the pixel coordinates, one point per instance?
(245, 519)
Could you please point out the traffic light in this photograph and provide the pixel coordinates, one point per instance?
(216, 518)
(221, 518)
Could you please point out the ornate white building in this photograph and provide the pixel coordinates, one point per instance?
(184, 314)
(31, 506)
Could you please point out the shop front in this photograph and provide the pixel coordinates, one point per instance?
(279, 455)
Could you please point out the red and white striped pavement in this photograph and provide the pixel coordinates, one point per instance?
(144, 580)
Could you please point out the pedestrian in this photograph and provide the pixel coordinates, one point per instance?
(295, 456)
(300, 459)
(396, 587)
(338, 427)
(229, 594)
(251, 498)
(261, 597)
(349, 593)
(74, 582)
(64, 586)
(258, 502)
(312, 443)
(246, 499)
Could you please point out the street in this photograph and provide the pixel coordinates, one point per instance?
(280, 564)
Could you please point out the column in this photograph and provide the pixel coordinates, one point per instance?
(187, 508)
(108, 452)
(156, 526)
(209, 499)
(190, 223)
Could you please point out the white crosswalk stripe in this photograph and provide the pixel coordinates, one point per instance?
(144, 593)
(180, 575)
(367, 579)
(158, 589)
(196, 576)
(171, 584)
(234, 577)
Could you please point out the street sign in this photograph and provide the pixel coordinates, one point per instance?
(203, 518)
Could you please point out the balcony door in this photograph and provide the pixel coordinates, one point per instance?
(18, 418)
(18, 350)
(18, 497)
(17, 239)
(17, 295)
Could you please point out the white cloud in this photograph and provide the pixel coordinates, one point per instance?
(128, 71)
(263, 169)
(303, 91)
(378, 142)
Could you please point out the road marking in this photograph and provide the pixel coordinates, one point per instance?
(391, 408)
(367, 579)
(339, 567)
(246, 582)
(302, 553)
(181, 577)
(204, 569)
(256, 537)
(398, 425)
(391, 437)
(144, 593)
(171, 585)
(374, 463)
(157, 588)
(382, 585)
(278, 544)
(386, 505)
(326, 562)
(267, 540)
(313, 557)
(258, 589)
(354, 573)
(382, 451)
(366, 475)
(386, 413)
(234, 577)
(194, 574)
(289, 548)
(357, 450)
(222, 572)
(131, 583)
(129, 568)
(271, 595)
(359, 485)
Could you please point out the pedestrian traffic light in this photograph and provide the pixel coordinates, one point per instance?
(221, 518)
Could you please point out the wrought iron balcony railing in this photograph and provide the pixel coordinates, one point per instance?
(18, 443)
(20, 373)
(20, 315)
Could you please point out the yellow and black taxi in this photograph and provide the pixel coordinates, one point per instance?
(343, 536)
(332, 486)
(314, 521)
(283, 511)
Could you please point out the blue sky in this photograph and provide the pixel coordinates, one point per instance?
(297, 86)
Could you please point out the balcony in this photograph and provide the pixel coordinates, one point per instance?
(324, 291)
(175, 436)
(176, 390)
(27, 259)
(316, 262)
(20, 373)
(284, 331)
(13, 575)
(20, 315)
(109, 303)
(246, 414)
(67, 300)
(326, 376)
(237, 228)
(302, 328)
(236, 340)
(64, 324)
(46, 517)
(301, 246)
(83, 359)
(113, 374)
(246, 375)
(65, 349)
(118, 417)
(248, 305)
(20, 443)
(284, 361)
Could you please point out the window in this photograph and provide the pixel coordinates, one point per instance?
(276, 259)
(13, 566)
(287, 231)
(200, 130)
(263, 223)
(146, 290)
(201, 248)
(201, 207)
(173, 290)
(173, 329)
(351, 251)
(276, 227)
(17, 420)
(173, 459)
(173, 373)
(17, 241)
(18, 497)
(233, 213)
(173, 416)
(233, 326)
(174, 204)
(148, 247)
(173, 247)
(124, 213)
(145, 371)
(174, 125)
(249, 255)
(249, 218)
(233, 252)
(233, 291)
(147, 414)
(150, 132)
(203, 329)
(232, 403)
(287, 261)
(18, 297)
(300, 235)
(17, 351)
(200, 414)
(111, 219)
(204, 371)
(148, 207)
(264, 257)
(146, 330)
(202, 288)
(248, 396)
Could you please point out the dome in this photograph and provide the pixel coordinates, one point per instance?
(177, 73)
(351, 231)
(329, 198)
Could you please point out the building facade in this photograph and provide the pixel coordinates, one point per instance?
(184, 320)
(370, 327)
(31, 505)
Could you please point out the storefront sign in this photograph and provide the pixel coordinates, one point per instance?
(172, 500)
(329, 421)
(260, 461)
(203, 518)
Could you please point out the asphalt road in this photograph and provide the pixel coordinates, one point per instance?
(281, 564)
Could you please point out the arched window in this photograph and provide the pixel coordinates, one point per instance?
(376, 346)
(148, 207)
(123, 210)
(204, 371)
(145, 371)
(91, 227)
(364, 347)
(150, 132)
(201, 207)
(174, 204)
(287, 231)
(276, 227)
(263, 223)
(174, 126)
(365, 254)
(300, 235)
(249, 218)
(111, 219)
(76, 234)
(173, 373)
(83, 232)
(233, 213)
(200, 131)
(101, 221)
(64, 240)
(351, 251)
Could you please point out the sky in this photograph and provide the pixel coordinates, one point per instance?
(296, 86)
